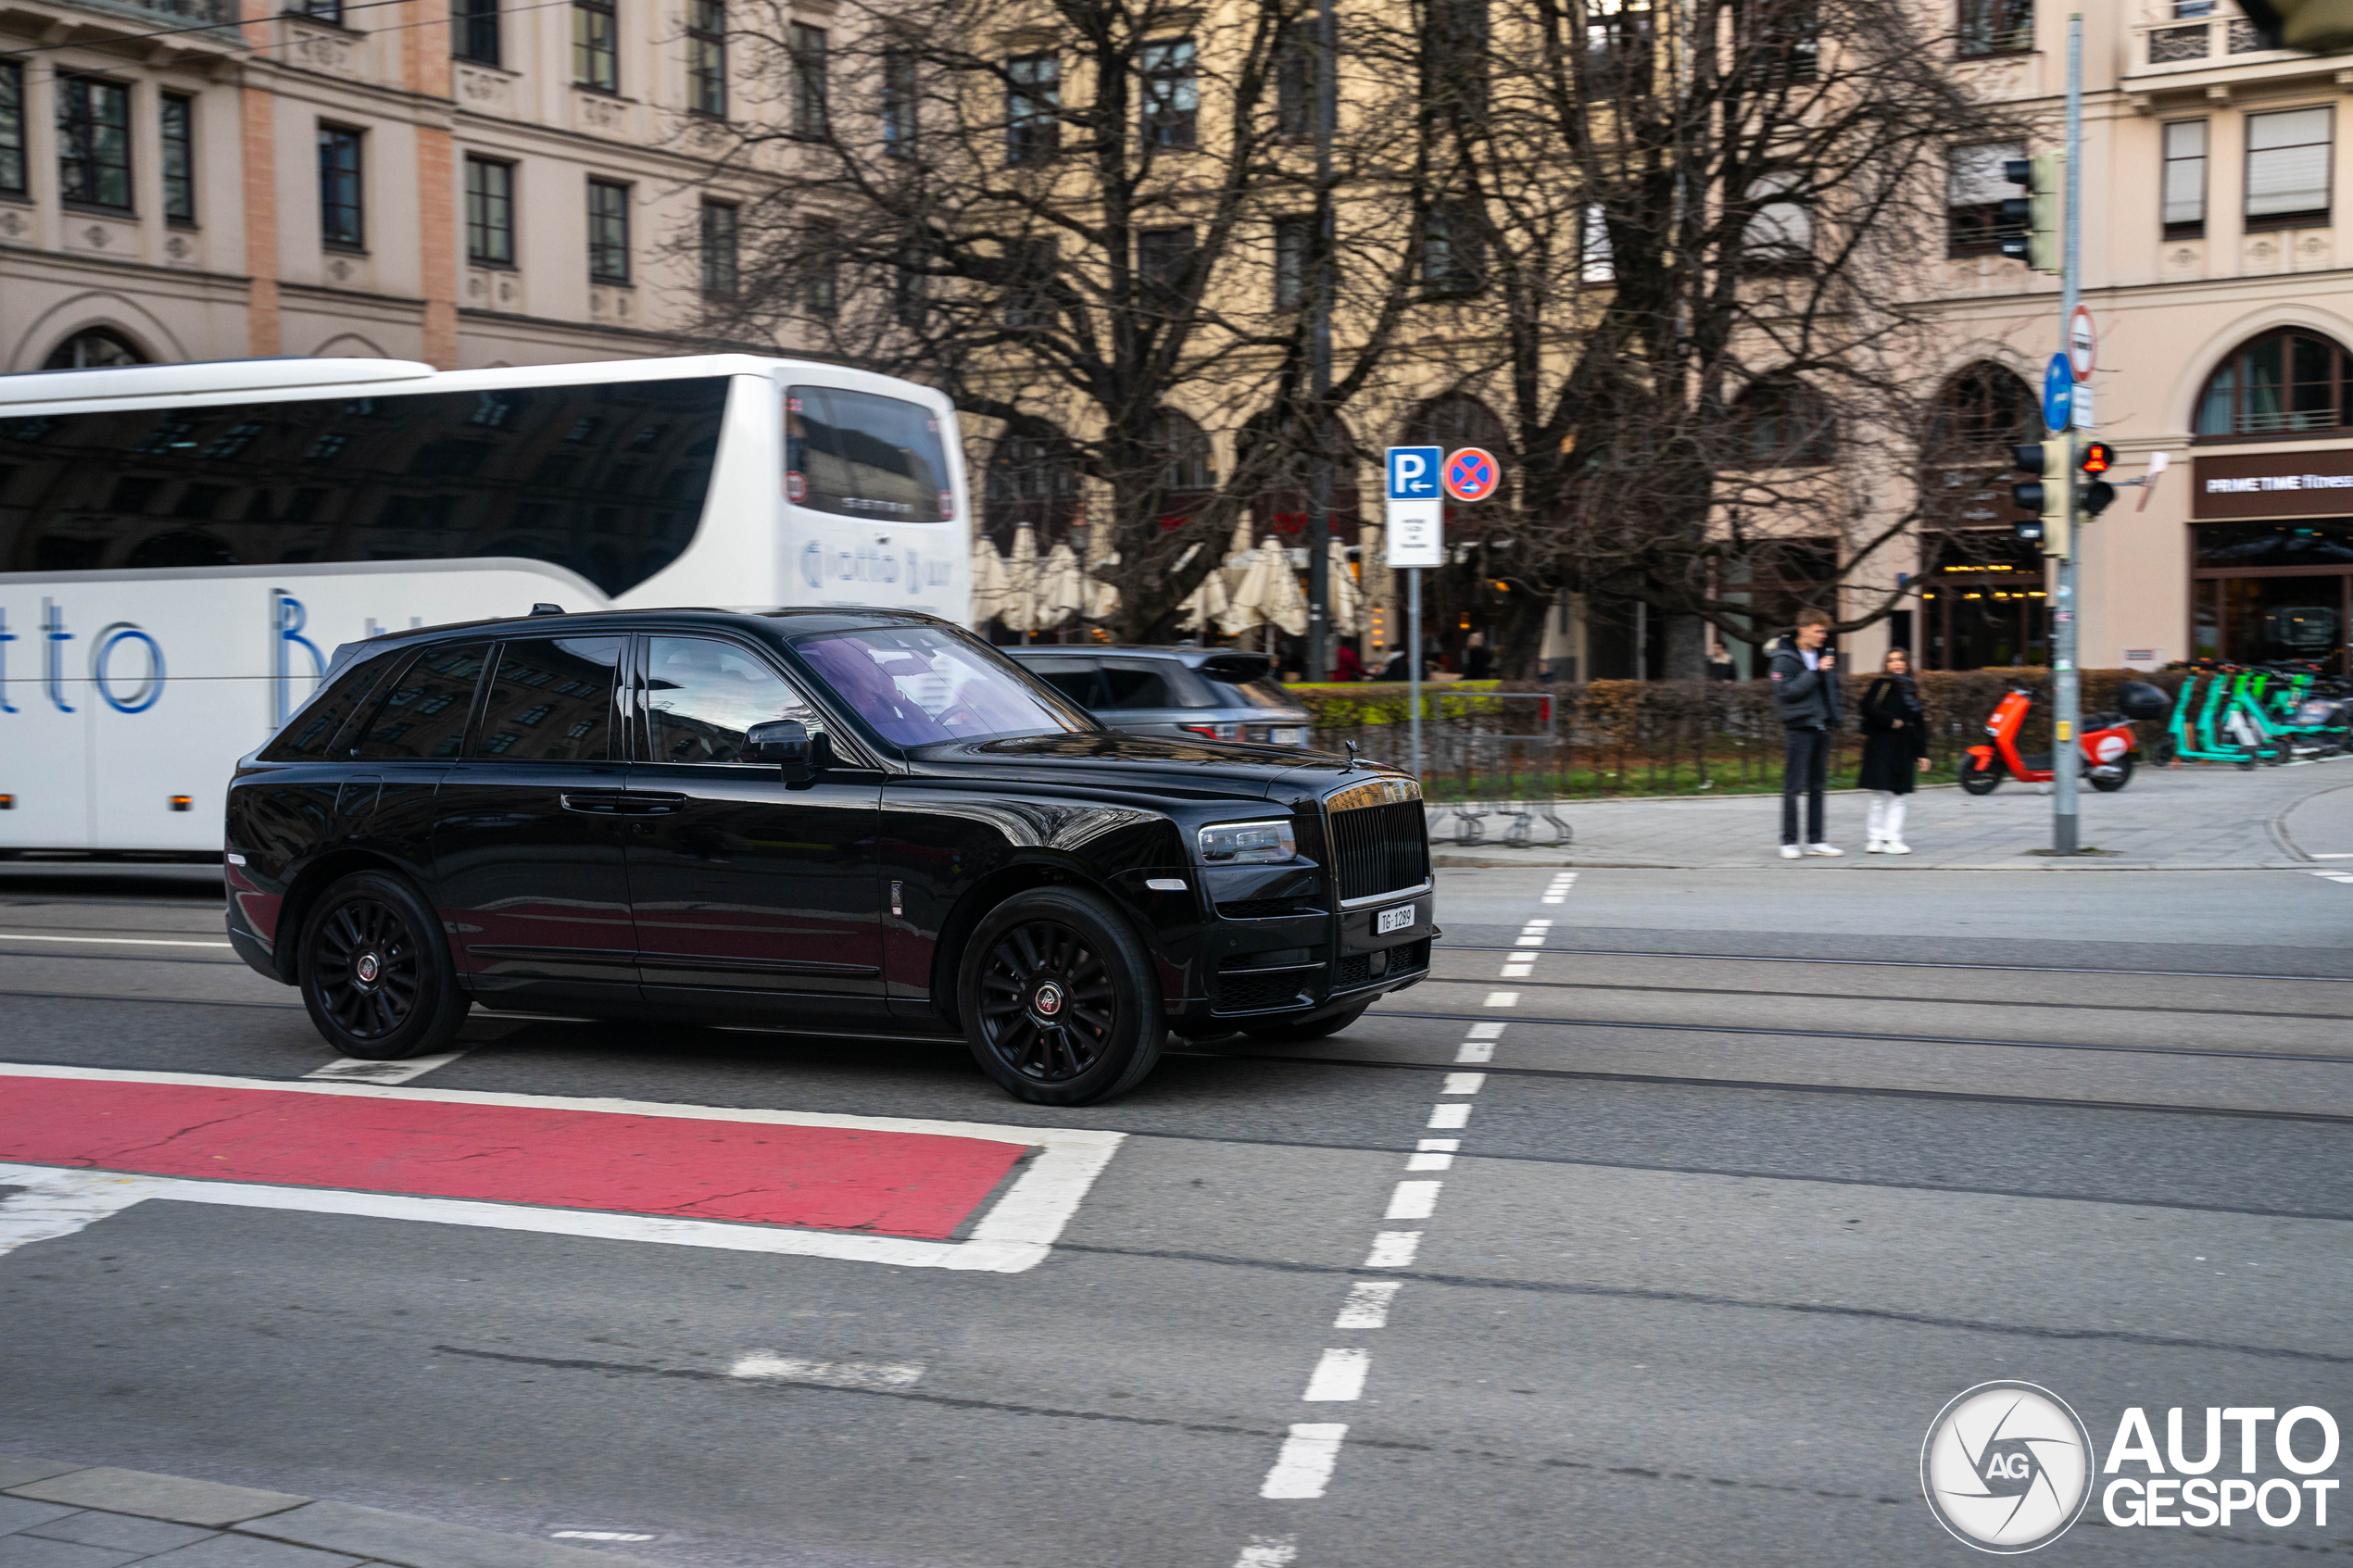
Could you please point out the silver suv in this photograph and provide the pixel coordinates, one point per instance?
(1217, 693)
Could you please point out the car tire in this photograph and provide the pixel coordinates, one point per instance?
(1307, 1029)
(376, 975)
(1060, 999)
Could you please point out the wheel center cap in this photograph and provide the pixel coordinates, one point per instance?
(368, 968)
(1047, 1000)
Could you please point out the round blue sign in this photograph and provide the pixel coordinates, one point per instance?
(2059, 392)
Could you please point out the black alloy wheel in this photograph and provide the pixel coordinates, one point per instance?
(1059, 998)
(375, 973)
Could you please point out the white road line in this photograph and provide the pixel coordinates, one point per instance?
(768, 1364)
(359, 1070)
(1393, 1250)
(62, 1204)
(1516, 971)
(1488, 1030)
(108, 941)
(1537, 924)
(1446, 1118)
(1529, 942)
(1339, 1377)
(1430, 1160)
(1304, 1467)
(1463, 1083)
(1016, 1234)
(1269, 1552)
(1502, 998)
(1367, 1304)
(2338, 854)
(1414, 1200)
(599, 1536)
(1475, 1051)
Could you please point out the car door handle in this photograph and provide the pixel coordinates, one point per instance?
(622, 803)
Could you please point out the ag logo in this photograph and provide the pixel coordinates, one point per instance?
(2007, 1467)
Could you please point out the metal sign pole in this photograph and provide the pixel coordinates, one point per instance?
(1414, 658)
(2068, 698)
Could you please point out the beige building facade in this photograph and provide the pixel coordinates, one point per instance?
(2214, 193)
(518, 184)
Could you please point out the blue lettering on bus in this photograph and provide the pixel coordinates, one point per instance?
(287, 619)
(813, 565)
(151, 685)
(914, 571)
(6, 637)
(52, 625)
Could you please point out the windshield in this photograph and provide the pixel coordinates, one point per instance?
(918, 685)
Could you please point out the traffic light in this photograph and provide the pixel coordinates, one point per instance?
(2096, 458)
(2045, 494)
(2031, 223)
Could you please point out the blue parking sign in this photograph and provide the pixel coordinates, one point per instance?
(1413, 472)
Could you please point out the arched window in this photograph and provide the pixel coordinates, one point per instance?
(1456, 419)
(1784, 424)
(93, 348)
(2282, 381)
(1183, 447)
(1032, 479)
(1983, 411)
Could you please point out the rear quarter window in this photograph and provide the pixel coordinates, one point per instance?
(316, 724)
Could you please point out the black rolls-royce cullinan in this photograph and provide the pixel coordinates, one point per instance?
(854, 819)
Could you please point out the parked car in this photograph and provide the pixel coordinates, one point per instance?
(1217, 693)
(826, 820)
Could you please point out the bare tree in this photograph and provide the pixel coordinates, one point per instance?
(1094, 223)
(1712, 230)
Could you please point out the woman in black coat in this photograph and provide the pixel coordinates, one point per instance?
(1895, 749)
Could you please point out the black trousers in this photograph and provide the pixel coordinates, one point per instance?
(1804, 767)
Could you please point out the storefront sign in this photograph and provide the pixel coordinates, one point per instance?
(2273, 484)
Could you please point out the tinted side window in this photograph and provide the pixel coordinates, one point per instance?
(702, 695)
(1076, 679)
(863, 455)
(423, 716)
(550, 700)
(605, 480)
(1139, 683)
(314, 727)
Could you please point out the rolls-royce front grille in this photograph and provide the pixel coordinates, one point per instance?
(1380, 849)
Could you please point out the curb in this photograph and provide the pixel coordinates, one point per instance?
(372, 1535)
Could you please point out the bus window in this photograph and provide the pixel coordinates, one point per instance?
(858, 455)
(430, 476)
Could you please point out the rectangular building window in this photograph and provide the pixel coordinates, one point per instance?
(1033, 108)
(94, 142)
(706, 58)
(720, 276)
(1294, 253)
(1172, 93)
(323, 11)
(898, 89)
(1975, 189)
(2185, 179)
(1163, 257)
(1297, 62)
(909, 292)
(2287, 168)
(821, 275)
(608, 231)
(490, 212)
(810, 115)
(1454, 257)
(1994, 27)
(13, 173)
(341, 219)
(474, 34)
(596, 44)
(1596, 262)
(176, 114)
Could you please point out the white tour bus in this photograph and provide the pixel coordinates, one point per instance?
(182, 546)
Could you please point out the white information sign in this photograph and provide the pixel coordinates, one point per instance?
(1416, 533)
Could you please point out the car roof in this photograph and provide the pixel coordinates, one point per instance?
(786, 622)
(1192, 658)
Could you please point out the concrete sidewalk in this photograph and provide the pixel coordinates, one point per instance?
(2180, 819)
(74, 1516)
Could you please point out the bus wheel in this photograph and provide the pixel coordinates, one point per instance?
(376, 975)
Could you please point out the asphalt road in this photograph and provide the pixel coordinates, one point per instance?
(1764, 1167)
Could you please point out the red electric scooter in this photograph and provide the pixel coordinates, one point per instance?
(2106, 740)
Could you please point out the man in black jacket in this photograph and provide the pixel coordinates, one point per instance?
(1807, 700)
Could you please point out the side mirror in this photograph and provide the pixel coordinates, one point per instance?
(784, 742)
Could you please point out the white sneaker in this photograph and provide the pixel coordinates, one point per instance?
(1791, 851)
(1823, 850)
(1873, 847)
(1897, 848)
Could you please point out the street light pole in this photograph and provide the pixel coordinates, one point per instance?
(1319, 350)
(2067, 696)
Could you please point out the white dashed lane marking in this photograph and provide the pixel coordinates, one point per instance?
(359, 1070)
(1463, 1083)
(1433, 1154)
(1393, 1250)
(1502, 998)
(1413, 1201)
(1339, 1377)
(1480, 1046)
(1269, 1552)
(1304, 1467)
(1367, 1304)
(1447, 1118)
(768, 1366)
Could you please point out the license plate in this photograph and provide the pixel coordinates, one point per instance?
(1397, 919)
(1287, 737)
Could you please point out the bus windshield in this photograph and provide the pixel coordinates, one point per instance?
(919, 686)
(858, 455)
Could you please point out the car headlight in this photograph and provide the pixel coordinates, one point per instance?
(1241, 843)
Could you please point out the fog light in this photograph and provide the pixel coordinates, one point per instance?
(182, 802)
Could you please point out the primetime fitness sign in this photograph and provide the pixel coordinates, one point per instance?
(2268, 484)
(2008, 1468)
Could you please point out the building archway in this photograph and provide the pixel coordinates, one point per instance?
(94, 348)
(1982, 601)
